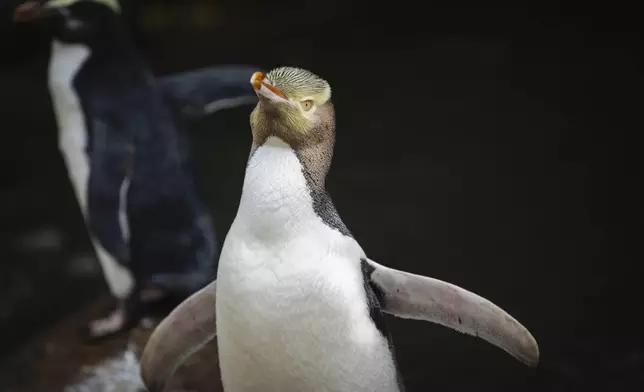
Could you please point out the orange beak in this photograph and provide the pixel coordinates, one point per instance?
(265, 88)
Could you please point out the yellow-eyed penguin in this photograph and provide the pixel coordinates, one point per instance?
(298, 302)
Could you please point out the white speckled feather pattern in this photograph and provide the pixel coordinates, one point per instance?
(291, 306)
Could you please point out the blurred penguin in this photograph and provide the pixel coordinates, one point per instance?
(123, 149)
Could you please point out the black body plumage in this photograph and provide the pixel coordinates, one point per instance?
(133, 135)
(138, 157)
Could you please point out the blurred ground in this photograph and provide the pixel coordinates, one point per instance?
(64, 364)
(494, 148)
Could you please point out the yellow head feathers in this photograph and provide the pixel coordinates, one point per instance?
(298, 84)
(292, 101)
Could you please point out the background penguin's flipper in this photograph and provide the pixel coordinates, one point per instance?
(106, 194)
(198, 93)
(189, 327)
(418, 297)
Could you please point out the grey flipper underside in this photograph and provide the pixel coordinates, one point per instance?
(418, 297)
(188, 328)
(201, 92)
(375, 298)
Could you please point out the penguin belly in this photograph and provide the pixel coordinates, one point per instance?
(292, 311)
(66, 61)
(283, 328)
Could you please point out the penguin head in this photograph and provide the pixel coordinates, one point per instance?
(294, 104)
(71, 21)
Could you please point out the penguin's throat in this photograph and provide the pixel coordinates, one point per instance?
(276, 195)
(65, 63)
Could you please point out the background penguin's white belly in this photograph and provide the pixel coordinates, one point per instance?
(66, 61)
(291, 306)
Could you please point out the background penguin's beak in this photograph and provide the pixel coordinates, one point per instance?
(32, 11)
(265, 88)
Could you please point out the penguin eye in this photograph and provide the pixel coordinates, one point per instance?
(307, 104)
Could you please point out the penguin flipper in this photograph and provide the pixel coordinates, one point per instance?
(411, 296)
(198, 93)
(188, 328)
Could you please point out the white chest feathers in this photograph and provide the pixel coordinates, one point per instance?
(66, 61)
(291, 307)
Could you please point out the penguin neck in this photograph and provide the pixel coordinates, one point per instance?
(278, 193)
(65, 63)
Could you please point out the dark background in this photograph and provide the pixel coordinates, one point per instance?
(490, 146)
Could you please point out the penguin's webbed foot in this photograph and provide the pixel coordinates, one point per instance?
(119, 320)
(128, 313)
